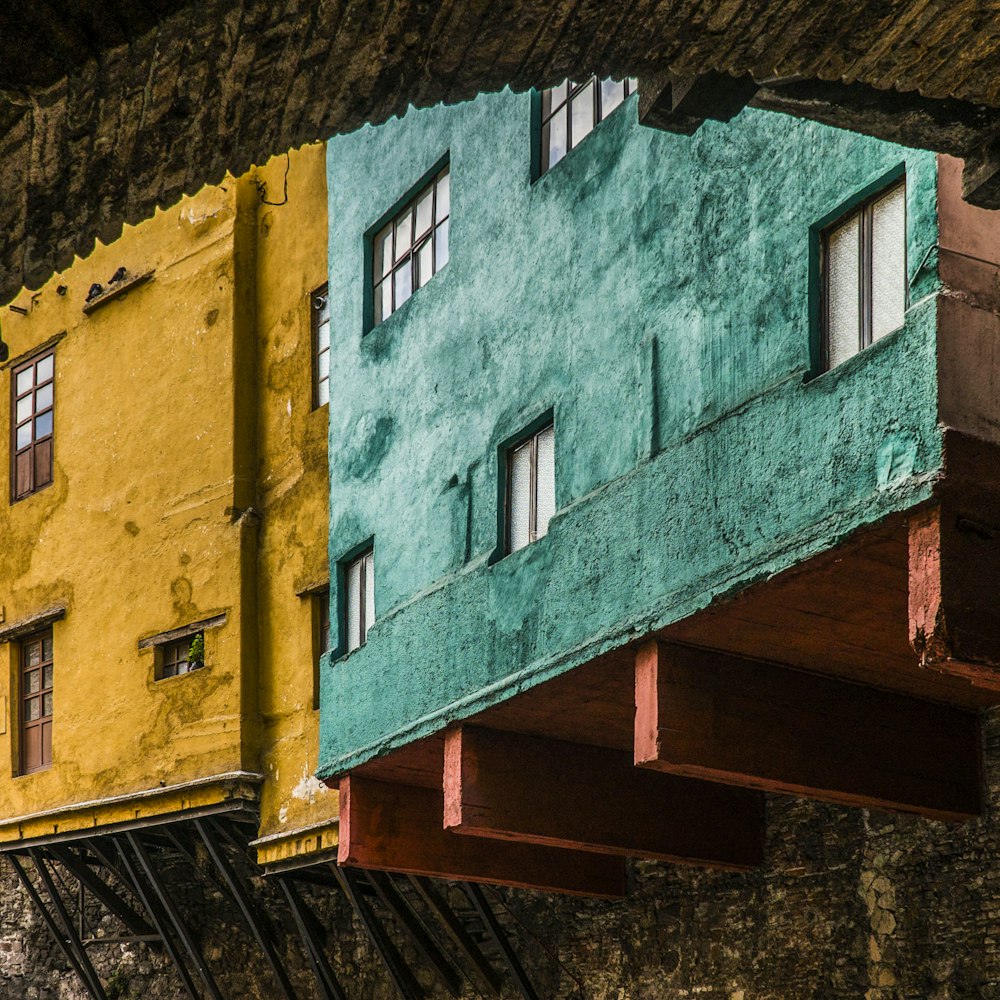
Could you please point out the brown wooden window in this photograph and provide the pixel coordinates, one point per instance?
(864, 275)
(571, 110)
(321, 617)
(32, 402)
(412, 248)
(320, 311)
(36, 702)
(531, 488)
(359, 602)
(182, 656)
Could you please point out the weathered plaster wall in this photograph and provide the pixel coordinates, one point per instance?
(144, 527)
(293, 496)
(654, 291)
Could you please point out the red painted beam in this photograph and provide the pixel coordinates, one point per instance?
(539, 791)
(399, 828)
(744, 722)
(954, 575)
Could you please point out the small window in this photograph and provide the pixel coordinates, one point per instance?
(864, 275)
(320, 311)
(359, 603)
(531, 488)
(321, 621)
(32, 410)
(571, 110)
(37, 665)
(412, 248)
(181, 656)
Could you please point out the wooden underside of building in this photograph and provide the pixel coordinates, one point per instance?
(855, 678)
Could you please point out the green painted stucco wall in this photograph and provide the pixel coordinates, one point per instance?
(654, 291)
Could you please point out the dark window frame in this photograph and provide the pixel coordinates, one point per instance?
(358, 557)
(315, 322)
(546, 113)
(27, 727)
(406, 208)
(35, 445)
(864, 209)
(529, 438)
(169, 661)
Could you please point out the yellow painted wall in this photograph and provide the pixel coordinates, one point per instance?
(293, 495)
(190, 480)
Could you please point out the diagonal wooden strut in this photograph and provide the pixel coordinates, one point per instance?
(245, 903)
(327, 982)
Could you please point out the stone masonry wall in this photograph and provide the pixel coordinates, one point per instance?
(851, 904)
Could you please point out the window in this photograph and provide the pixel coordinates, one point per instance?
(32, 387)
(36, 702)
(320, 312)
(182, 656)
(321, 620)
(359, 579)
(864, 275)
(531, 488)
(412, 248)
(571, 110)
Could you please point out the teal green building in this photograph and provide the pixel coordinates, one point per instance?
(661, 320)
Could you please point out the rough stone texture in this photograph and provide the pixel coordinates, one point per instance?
(109, 110)
(850, 904)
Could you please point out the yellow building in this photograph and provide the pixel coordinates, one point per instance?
(163, 564)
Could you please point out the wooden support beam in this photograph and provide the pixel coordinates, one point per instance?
(539, 791)
(397, 828)
(744, 722)
(954, 564)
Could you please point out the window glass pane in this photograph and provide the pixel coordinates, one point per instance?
(383, 252)
(545, 481)
(47, 649)
(45, 369)
(404, 233)
(323, 336)
(353, 599)
(47, 704)
(323, 364)
(24, 381)
(32, 681)
(889, 262)
(43, 397)
(559, 93)
(323, 392)
(34, 654)
(443, 196)
(31, 709)
(583, 114)
(43, 425)
(369, 592)
(843, 289)
(612, 94)
(425, 263)
(23, 410)
(47, 676)
(23, 436)
(519, 486)
(554, 143)
(441, 245)
(403, 278)
(425, 214)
